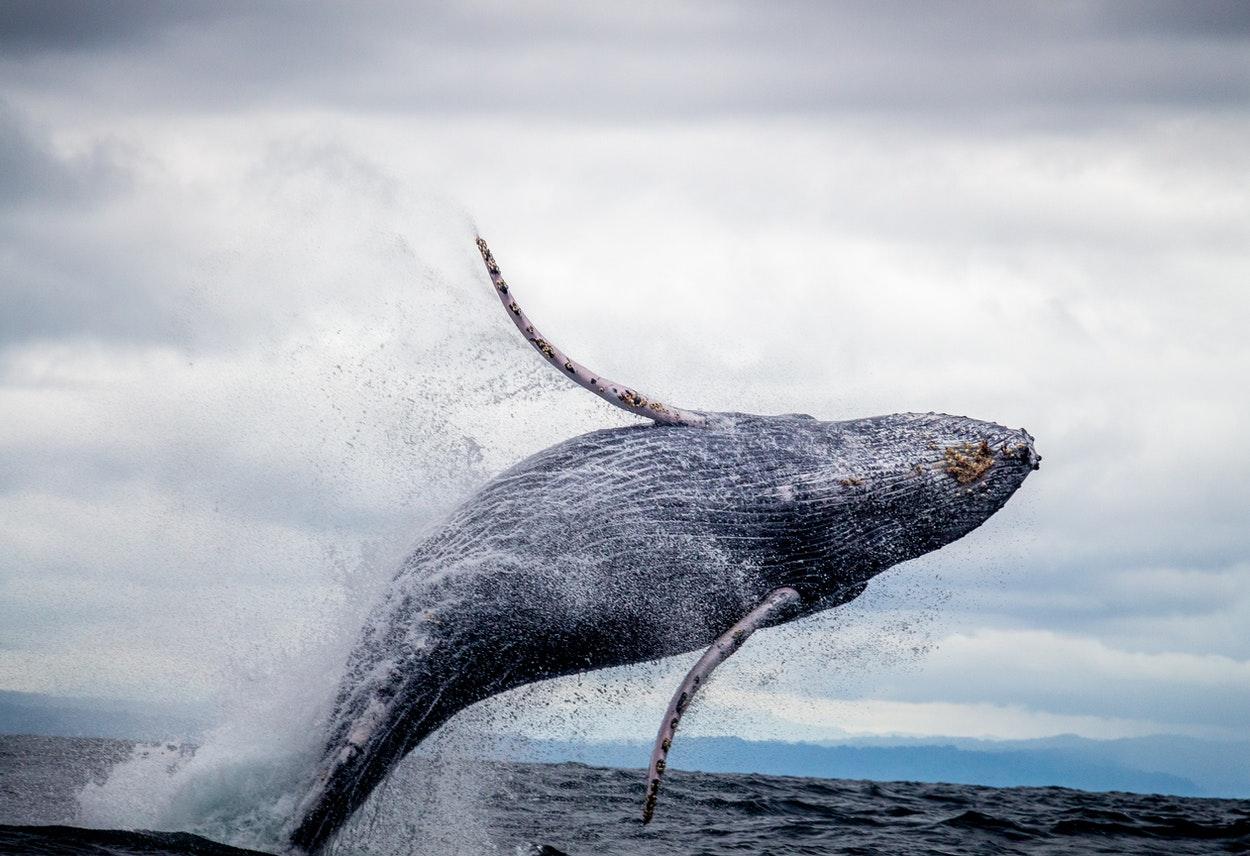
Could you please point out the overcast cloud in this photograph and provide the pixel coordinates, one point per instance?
(247, 353)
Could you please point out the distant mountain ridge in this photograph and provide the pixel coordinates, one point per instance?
(1167, 764)
(1087, 768)
(62, 716)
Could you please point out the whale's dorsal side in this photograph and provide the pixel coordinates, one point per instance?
(624, 397)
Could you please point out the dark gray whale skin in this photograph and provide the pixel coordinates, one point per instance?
(631, 544)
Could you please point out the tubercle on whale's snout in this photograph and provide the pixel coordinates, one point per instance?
(1025, 453)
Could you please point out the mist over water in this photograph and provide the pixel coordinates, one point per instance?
(373, 386)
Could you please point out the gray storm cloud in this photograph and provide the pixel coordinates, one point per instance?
(1050, 62)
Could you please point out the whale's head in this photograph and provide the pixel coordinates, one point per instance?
(866, 494)
(964, 471)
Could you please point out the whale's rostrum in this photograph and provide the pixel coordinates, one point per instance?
(631, 544)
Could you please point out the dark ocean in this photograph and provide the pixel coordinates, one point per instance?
(524, 809)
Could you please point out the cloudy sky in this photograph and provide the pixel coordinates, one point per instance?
(248, 355)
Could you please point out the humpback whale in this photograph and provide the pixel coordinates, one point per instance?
(619, 546)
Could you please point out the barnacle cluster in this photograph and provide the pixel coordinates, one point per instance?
(969, 462)
(631, 399)
(489, 259)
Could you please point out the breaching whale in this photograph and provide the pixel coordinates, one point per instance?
(631, 544)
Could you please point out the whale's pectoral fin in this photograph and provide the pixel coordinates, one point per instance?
(625, 397)
(776, 604)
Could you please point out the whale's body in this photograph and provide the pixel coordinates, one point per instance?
(627, 545)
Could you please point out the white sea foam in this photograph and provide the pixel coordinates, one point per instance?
(239, 784)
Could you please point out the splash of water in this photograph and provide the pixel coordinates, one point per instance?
(383, 394)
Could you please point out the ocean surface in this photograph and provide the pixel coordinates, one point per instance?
(534, 809)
